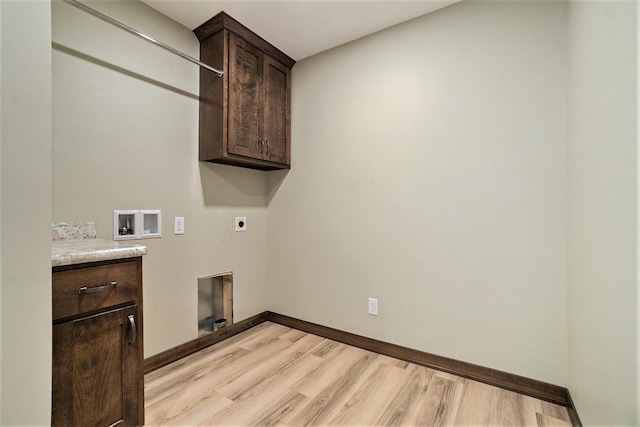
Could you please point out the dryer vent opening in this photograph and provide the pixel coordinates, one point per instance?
(215, 303)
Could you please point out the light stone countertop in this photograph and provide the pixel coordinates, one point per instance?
(67, 252)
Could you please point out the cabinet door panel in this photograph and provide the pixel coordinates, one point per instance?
(96, 370)
(245, 92)
(277, 80)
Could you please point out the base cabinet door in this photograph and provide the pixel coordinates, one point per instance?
(97, 369)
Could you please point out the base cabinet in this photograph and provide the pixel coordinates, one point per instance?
(97, 361)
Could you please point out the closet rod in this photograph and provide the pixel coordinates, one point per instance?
(130, 30)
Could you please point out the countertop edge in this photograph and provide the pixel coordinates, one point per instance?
(92, 250)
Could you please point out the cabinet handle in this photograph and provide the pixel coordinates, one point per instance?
(134, 330)
(259, 144)
(267, 141)
(87, 290)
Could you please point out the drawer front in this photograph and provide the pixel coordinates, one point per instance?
(88, 289)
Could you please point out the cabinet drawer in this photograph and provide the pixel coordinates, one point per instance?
(87, 289)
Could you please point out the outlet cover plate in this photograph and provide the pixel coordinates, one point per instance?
(373, 306)
(241, 223)
(178, 225)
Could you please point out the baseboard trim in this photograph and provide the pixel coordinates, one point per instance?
(176, 353)
(534, 388)
(527, 386)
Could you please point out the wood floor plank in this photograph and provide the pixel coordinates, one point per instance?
(190, 412)
(290, 376)
(242, 413)
(218, 352)
(441, 402)
(530, 411)
(394, 362)
(328, 347)
(179, 379)
(475, 405)
(174, 404)
(278, 414)
(335, 363)
(257, 340)
(552, 410)
(507, 409)
(293, 335)
(547, 421)
(404, 408)
(368, 403)
(274, 375)
(251, 380)
(226, 373)
(203, 356)
(325, 404)
(224, 370)
(191, 362)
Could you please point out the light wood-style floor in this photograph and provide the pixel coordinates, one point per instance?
(275, 375)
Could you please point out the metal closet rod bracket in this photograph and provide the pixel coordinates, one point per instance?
(135, 32)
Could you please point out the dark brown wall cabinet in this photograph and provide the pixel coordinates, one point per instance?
(98, 378)
(245, 115)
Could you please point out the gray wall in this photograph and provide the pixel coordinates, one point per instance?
(125, 136)
(25, 213)
(603, 216)
(430, 173)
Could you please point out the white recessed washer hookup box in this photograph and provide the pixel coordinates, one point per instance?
(151, 224)
(136, 224)
(124, 225)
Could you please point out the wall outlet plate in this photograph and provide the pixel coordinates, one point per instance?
(178, 225)
(241, 223)
(373, 306)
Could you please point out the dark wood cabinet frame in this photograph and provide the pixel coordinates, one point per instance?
(98, 376)
(245, 115)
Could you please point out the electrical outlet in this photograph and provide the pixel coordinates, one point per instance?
(178, 225)
(373, 306)
(241, 223)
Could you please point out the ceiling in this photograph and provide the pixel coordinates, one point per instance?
(301, 28)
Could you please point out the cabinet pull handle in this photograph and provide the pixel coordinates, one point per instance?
(259, 144)
(134, 330)
(267, 141)
(87, 290)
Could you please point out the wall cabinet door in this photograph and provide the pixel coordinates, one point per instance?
(97, 370)
(245, 98)
(276, 115)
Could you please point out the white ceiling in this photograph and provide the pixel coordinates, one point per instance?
(301, 28)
